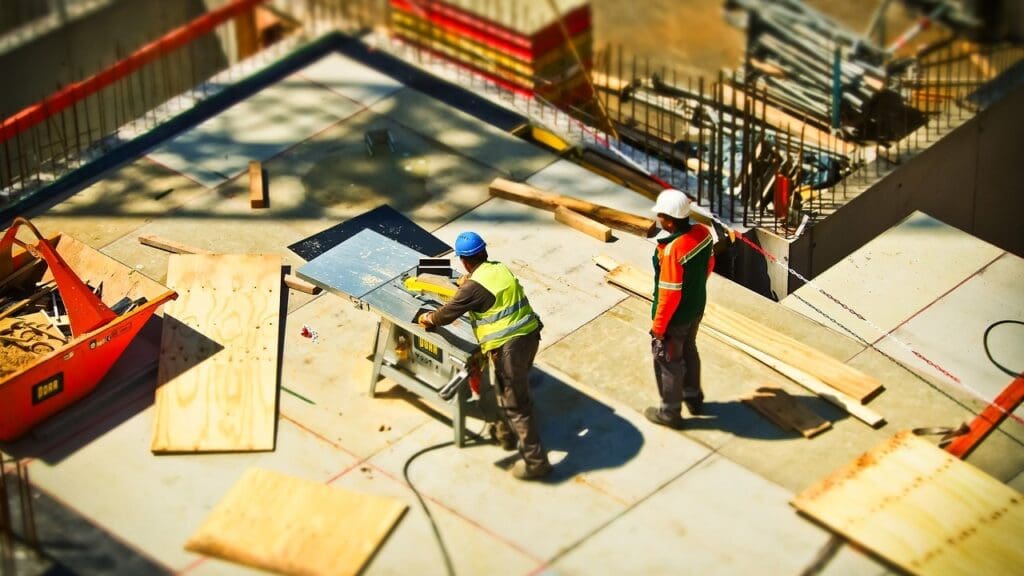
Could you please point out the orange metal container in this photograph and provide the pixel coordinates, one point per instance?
(99, 337)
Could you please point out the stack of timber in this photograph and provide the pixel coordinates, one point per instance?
(520, 46)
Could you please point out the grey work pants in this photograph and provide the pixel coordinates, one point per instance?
(512, 363)
(677, 371)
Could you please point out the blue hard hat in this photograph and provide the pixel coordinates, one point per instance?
(469, 243)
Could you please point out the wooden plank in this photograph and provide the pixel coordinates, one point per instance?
(170, 245)
(989, 419)
(617, 219)
(295, 283)
(786, 412)
(923, 510)
(294, 526)
(586, 225)
(217, 380)
(290, 280)
(257, 195)
(829, 370)
(850, 405)
(846, 379)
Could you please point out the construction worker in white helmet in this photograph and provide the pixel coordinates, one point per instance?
(508, 330)
(683, 260)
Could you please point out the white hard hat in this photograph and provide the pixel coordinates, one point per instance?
(672, 202)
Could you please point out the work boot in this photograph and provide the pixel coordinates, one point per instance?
(503, 435)
(694, 405)
(521, 471)
(655, 415)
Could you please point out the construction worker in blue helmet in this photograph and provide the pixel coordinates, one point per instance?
(683, 260)
(508, 330)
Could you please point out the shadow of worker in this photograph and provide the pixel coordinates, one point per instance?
(589, 432)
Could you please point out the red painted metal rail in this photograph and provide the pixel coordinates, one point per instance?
(993, 414)
(68, 96)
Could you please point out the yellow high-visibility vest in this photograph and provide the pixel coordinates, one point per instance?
(509, 316)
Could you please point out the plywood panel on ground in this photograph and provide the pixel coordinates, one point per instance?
(218, 360)
(922, 509)
(294, 526)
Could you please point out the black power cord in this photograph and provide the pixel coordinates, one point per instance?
(423, 504)
(984, 342)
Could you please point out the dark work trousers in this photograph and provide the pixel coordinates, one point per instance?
(678, 370)
(512, 363)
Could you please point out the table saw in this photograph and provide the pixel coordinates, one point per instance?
(371, 269)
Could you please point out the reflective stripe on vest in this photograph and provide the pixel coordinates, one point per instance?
(511, 314)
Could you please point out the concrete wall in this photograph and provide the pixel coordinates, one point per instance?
(972, 179)
(86, 44)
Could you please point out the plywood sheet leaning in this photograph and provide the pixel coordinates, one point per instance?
(922, 509)
(217, 380)
(846, 379)
(293, 526)
(786, 412)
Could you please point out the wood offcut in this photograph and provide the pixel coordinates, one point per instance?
(295, 526)
(617, 219)
(586, 225)
(257, 187)
(786, 412)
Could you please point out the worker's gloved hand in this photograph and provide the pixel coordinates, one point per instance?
(659, 346)
(462, 280)
(426, 320)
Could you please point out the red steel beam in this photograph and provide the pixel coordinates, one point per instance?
(68, 96)
(993, 414)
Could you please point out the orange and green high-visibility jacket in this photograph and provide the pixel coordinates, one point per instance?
(682, 264)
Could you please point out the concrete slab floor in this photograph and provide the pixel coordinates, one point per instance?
(121, 202)
(351, 79)
(332, 177)
(710, 499)
(163, 500)
(951, 332)
(711, 519)
(256, 128)
(511, 156)
(888, 280)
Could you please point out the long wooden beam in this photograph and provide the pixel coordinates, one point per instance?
(617, 219)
